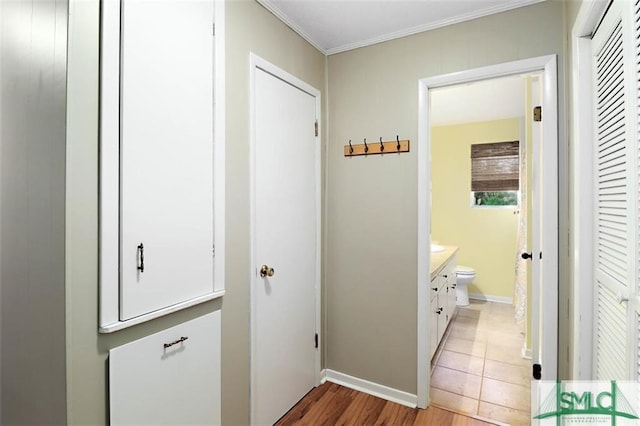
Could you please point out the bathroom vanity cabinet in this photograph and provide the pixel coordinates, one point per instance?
(443, 295)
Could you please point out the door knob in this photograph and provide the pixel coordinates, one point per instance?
(526, 256)
(266, 271)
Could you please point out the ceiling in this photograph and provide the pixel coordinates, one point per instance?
(484, 100)
(334, 26)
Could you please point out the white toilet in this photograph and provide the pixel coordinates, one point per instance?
(464, 276)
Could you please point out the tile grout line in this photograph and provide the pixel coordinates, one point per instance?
(484, 363)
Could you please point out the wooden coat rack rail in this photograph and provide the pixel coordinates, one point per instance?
(374, 148)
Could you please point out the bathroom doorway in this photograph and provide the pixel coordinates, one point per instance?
(541, 346)
(479, 204)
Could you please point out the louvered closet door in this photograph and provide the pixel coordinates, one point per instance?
(615, 189)
(635, 120)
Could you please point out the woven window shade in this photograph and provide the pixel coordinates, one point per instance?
(495, 166)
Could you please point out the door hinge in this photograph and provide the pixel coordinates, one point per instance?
(537, 371)
(316, 128)
(316, 339)
(537, 113)
(214, 250)
(214, 29)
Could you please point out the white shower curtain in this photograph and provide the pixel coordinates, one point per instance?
(520, 293)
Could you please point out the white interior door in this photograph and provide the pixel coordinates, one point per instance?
(538, 304)
(286, 215)
(166, 153)
(534, 241)
(544, 238)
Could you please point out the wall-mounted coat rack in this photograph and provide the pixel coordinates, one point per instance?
(372, 148)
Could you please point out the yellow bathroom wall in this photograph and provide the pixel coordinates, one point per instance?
(486, 236)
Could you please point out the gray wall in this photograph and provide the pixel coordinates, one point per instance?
(32, 170)
(249, 28)
(372, 202)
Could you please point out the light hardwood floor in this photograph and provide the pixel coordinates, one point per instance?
(331, 404)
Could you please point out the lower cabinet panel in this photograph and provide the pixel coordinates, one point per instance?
(169, 378)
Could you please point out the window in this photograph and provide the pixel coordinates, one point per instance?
(495, 198)
(495, 173)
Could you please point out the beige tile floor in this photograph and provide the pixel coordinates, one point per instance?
(479, 368)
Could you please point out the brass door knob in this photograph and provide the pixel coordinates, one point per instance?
(266, 271)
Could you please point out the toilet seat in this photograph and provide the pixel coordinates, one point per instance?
(464, 270)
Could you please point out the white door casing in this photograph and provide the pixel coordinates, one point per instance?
(582, 217)
(548, 181)
(285, 215)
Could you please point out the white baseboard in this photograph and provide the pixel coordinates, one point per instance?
(526, 353)
(491, 298)
(375, 389)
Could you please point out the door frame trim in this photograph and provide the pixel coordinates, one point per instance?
(587, 20)
(257, 63)
(548, 66)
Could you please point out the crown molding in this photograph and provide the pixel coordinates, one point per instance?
(271, 7)
(267, 4)
(432, 26)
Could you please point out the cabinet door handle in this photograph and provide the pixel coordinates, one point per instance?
(446, 276)
(141, 257)
(434, 288)
(439, 311)
(180, 340)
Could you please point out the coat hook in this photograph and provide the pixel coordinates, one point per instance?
(381, 145)
(366, 147)
(350, 147)
(398, 145)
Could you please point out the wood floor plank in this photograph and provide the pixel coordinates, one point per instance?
(331, 405)
(364, 410)
(301, 409)
(329, 408)
(396, 414)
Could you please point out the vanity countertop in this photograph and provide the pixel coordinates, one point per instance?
(439, 260)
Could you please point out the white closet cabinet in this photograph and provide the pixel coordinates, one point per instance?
(168, 378)
(157, 158)
(166, 154)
